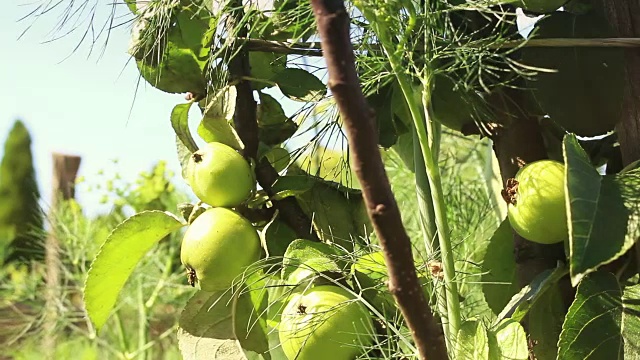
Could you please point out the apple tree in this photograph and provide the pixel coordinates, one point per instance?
(291, 262)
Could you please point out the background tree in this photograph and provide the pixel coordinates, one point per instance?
(21, 220)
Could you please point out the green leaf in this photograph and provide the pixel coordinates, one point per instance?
(300, 85)
(277, 236)
(265, 66)
(508, 341)
(250, 316)
(305, 258)
(179, 71)
(180, 124)
(472, 342)
(499, 278)
(291, 185)
(206, 328)
(603, 322)
(278, 157)
(183, 157)
(381, 103)
(218, 114)
(603, 214)
(118, 257)
(218, 130)
(520, 304)
(274, 134)
(545, 323)
(330, 165)
(273, 125)
(270, 111)
(337, 215)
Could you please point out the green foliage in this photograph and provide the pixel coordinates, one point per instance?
(21, 220)
(612, 198)
(300, 85)
(603, 320)
(421, 66)
(118, 256)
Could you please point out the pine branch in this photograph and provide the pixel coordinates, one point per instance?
(358, 118)
(246, 124)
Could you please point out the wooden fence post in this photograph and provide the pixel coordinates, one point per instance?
(65, 170)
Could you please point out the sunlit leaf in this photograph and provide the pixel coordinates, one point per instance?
(118, 257)
(300, 85)
(521, 302)
(265, 66)
(305, 258)
(472, 342)
(508, 341)
(603, 214)
(180, 124)
(603, 322)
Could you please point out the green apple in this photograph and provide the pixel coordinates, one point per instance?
(220, 176)
(536, 202)
(217, 247)
(325, 322)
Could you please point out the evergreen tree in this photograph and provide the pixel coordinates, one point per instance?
(21, 220)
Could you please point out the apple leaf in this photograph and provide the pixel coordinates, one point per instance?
(218, 130)
(472, 341)
(291, 185)
(274, 126)
(338, 217)
(250, 316)
(381, 103)
(180, 124)
(603, 322)
(221, 105)
(265, 66)
(277, 236)
(545, 323)
(603, 212)
(305, 258)
(270, 111)
(206, 328)
(508, 341)
(300, 85)
(184, 155)
(499, 278)
(278, 157)
(521, 302)
(118, 257)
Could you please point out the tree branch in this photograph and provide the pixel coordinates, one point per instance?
(625, 17)
(358, 118)
(313, 48)
(246, 124)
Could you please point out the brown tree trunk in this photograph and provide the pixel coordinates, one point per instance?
(65, 170)
(624, 15)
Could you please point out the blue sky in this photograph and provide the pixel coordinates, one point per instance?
(79, 102)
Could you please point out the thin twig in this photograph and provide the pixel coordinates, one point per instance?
(314, 48)
(333, 27)
(246, 124)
